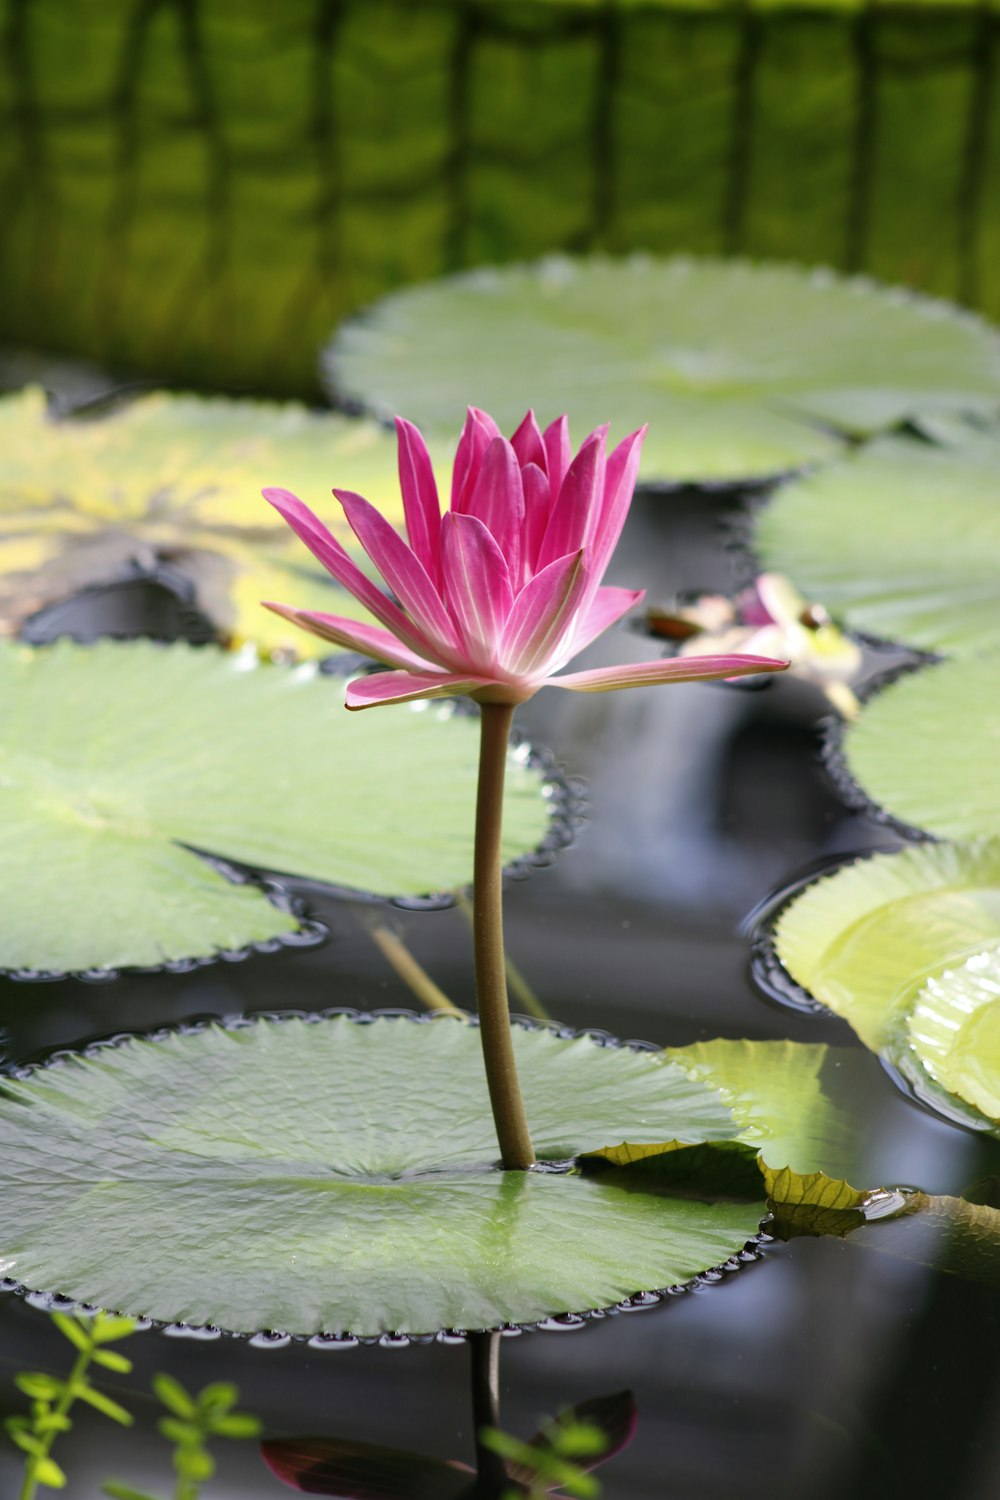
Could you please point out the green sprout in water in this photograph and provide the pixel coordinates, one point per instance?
(52, 1398)
(190, 1423)
(557, 1461)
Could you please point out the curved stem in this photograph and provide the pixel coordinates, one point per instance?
(487, 925)
(491, 1471)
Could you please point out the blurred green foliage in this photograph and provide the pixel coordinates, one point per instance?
(203, 189)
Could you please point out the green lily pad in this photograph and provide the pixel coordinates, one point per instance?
(742, 371)
(776, 1092)
(954, 1030)
(865, 940)
(322, 1176)
(119, 759)
(930, 578)
(926, 749)
(176, 480)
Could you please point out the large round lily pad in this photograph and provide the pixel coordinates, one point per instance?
(742, 371)
(901, 540)
(865, 940)
(174, 482)
(118, 760)
(319, 1175)
(927, 748)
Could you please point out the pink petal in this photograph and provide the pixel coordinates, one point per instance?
(577, 510)
(497, 499)
(477, 588)
(421, 505)
(477, 434)
(542, 613)
(331, 554)
(537, 508)
(353, 635)
(607, 606)
(619, 486)
(404, 687)
(403, 572)
(674, 669)
(528, 445)
(558, 453)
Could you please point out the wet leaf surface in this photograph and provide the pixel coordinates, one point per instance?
(118, 760)
(742, 371)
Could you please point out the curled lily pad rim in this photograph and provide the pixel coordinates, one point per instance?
(642, 1301)
(774, 983)
(768, 973)
(308, 932)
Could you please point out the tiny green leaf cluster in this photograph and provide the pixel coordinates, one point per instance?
(552, 1464)
(52, 1398)
(191, 1422)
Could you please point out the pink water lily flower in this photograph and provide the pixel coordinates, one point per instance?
(493, 598)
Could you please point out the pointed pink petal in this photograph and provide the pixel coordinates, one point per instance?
(403, 572)
(353, 635)
(477, 588)
(497, 499)
(558, 453)
(619, 486)
(477, 434)
(607, 606)
(421, 505)
(331, 554)
(528, 445)
(542, 613)
(537, 508)
(404, 687)
(674, 669)
(577, 510)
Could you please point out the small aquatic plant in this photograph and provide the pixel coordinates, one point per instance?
(494, 598)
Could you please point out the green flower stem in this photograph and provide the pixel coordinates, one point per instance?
(29, 1486)
(509, 1117)
(395, 951)
(492, 1480)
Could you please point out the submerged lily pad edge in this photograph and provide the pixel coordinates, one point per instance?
(642, 1301)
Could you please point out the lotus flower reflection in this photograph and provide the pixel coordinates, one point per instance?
(493, 598)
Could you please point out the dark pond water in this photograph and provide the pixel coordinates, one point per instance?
(828, 1368)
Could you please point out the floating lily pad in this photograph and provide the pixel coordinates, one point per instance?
(742, 371)
(954, 1030)
(900, 540)
(176, 480)
(322, 1176)
(119, 759)
(775, 1090)
(927, 748)
(866, 939)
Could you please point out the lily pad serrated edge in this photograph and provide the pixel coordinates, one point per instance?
(753, 487)
(565, 794)
(309, 932)
(770, 977)
(833, 753)
(752, 1251)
